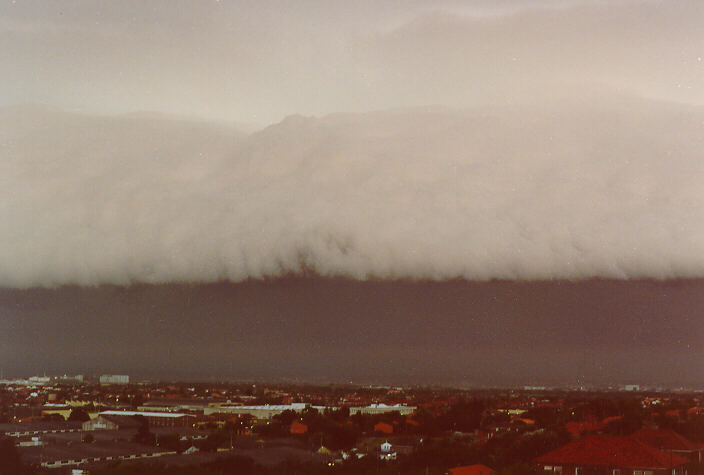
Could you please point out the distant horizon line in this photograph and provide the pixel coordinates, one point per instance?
(585, 387)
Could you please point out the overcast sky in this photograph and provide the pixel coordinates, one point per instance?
(258, 61)
(455, 151)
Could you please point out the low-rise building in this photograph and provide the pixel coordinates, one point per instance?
(111, 419)
(114, 379)
(265, 411)
(298, 428)
(384, 428)
(611, 455)
(383, 409)
(668, 440)
(476, 469)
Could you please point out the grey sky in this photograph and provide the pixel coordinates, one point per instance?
(262, 60)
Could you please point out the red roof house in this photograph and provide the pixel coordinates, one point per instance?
(669, 441)
(298, 428)
(607, 420)
(384, 428)
(477, 469)
(606, 453)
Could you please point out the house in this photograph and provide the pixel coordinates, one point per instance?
(481, 436)
(669, 441)
(298, 428)
(384, 428)
(477, 469)
(155, 419)
(111, 423)
(388, 447)
(324, 451)
(674, 413)
(611, 455)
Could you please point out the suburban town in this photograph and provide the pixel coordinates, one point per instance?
(112, 424)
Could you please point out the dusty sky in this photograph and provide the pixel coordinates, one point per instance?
(258, 61)
(543, 154)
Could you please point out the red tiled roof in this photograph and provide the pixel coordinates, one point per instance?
(664, 439)
(298, 428)
(611, 451)
(384, 428)
(611, 419)
(477, 469)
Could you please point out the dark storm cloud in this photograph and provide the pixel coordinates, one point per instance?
(589, 332)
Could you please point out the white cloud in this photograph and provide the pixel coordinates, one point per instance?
(602, 186)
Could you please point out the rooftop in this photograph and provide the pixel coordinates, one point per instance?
(611, 451)
(142, 413)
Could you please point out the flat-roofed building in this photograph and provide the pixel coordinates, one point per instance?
(265, 411)
(383, 409)
(114, 379)
(155, 419)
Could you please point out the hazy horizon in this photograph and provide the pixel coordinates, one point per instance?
(495, 333)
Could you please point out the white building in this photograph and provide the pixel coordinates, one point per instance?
(266, 411)
(383, 409)
(114, 379)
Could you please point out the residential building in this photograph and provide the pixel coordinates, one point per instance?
(670, 441)
(477, 469)
(611, 455)
(384, 428)
(298, 428)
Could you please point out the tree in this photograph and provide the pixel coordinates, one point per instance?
(53, 418)
(143, 435)
(286, 417)
(78, 414)
(10, 461)
(170, 442)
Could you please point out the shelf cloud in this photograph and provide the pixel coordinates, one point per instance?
(604, 185)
